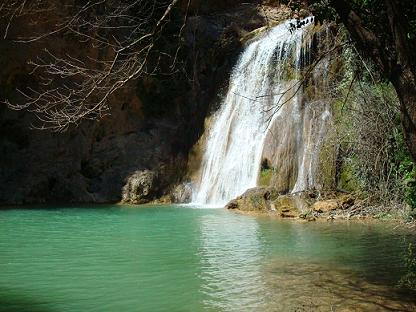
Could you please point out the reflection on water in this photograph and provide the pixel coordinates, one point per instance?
(180, 259)
(230, 275)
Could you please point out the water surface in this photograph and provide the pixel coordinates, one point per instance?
(171, 258)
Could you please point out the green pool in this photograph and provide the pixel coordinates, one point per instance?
(173, 258)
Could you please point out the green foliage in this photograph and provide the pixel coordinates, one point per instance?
(323, 10)
(265, 177)
(293, 5)
(408, 280)
(408, 172)
(366, 121)
(348, 179)
(374, 157)
(384, 216)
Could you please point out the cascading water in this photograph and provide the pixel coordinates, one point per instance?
(262, 114)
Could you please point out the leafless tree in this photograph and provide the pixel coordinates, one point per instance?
(124, 36)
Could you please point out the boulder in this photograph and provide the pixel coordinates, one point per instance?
(326, 205)
(141, 187)
(346, 201)
(232, 204)
(182, 193)
(254, 199)
(267, 199)
(307, 216)
(288, 213)
(303, 205)
(287, 206)
(340, 202)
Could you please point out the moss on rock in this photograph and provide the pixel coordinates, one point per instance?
(265, 177)
(347, 180)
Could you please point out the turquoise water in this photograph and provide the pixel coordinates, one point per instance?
(171, 258)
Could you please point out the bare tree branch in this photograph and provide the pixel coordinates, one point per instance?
(78, 87)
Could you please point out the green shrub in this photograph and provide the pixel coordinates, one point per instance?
(408, 169)
(408, 280)
(348, 179)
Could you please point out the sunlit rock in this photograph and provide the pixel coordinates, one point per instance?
(140, 188)
(182, 193)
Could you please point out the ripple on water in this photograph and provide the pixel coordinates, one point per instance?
(179, 259)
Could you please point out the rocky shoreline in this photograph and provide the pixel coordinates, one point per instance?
(307, 206)
(313, 206)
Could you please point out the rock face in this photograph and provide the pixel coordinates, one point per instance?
(153, 123)
(86, 164)
(141, 187)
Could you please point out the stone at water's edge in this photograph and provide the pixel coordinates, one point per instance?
(325, 205)
(182, 193)
(254, 199)
(268, 199)
(141, 187)
(340, 202)
(305, 205)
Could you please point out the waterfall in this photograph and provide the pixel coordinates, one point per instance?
(262, 115)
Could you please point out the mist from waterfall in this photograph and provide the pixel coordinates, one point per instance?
(263, 115)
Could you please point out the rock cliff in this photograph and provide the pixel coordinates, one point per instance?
(153, 124)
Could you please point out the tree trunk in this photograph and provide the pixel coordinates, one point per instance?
(399, 67)
(405, 85)
(402, 73)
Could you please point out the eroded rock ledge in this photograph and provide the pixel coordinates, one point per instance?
(308, 205)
